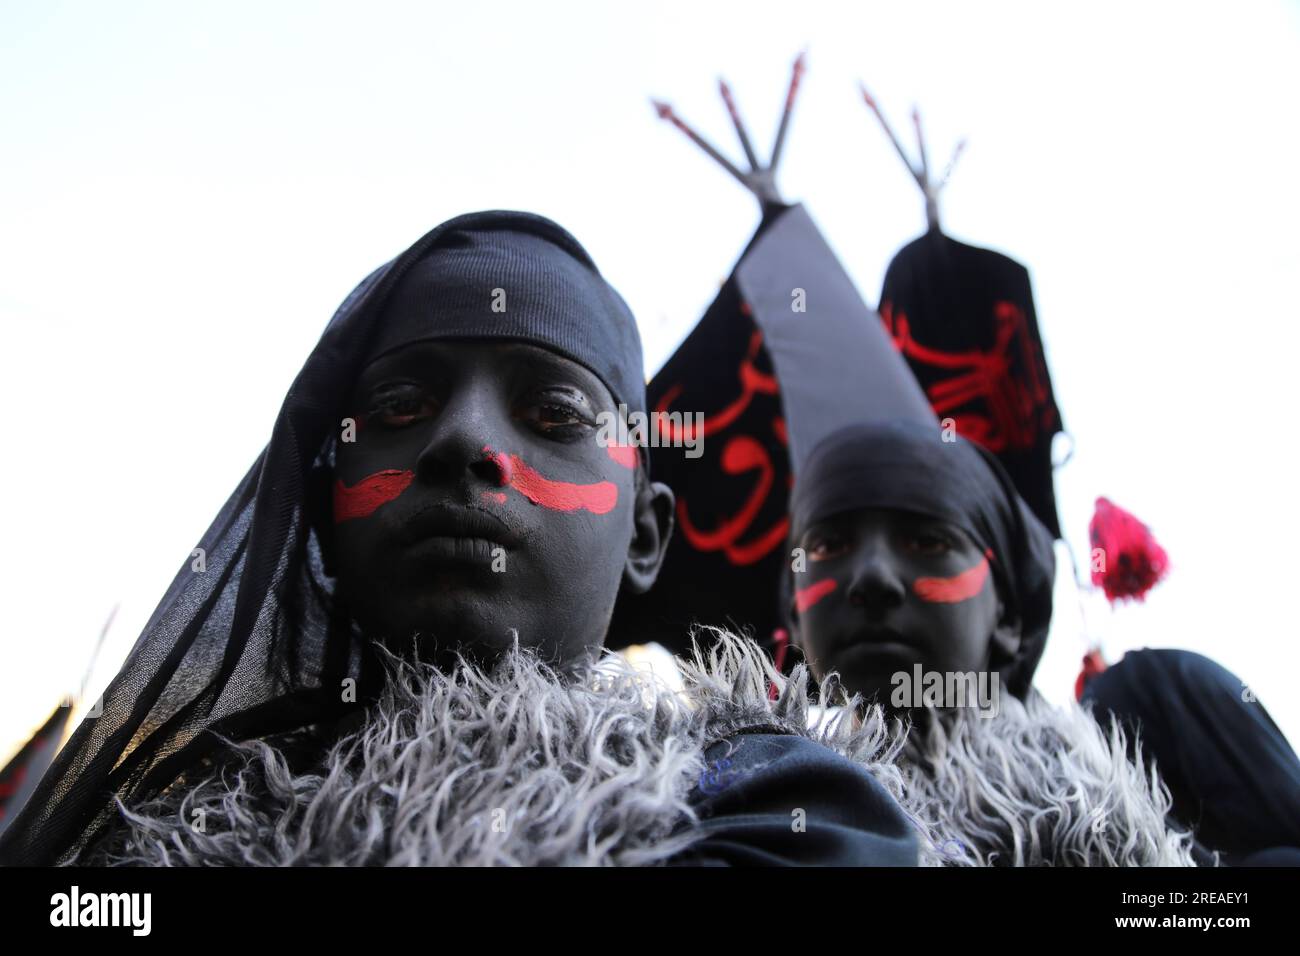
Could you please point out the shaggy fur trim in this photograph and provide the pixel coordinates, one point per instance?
(522, 767)
(1038, 785)
(1034, 785)
(513, 767)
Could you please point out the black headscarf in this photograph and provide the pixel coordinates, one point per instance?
(528, 281)
(250, 642)
(909, 466)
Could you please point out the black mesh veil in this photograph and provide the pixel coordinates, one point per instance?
(249, 642)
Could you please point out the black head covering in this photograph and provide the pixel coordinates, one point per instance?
(909, 466)
(251, 643)
(529, 282)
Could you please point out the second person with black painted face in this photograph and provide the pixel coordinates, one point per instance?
(927, 590)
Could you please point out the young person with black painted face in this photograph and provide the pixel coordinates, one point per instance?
(918, 550)
(436, 541)
(921, 559)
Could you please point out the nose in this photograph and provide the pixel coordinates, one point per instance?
(465, 437)
(876, 586)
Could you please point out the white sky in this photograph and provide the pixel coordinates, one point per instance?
(190, 188)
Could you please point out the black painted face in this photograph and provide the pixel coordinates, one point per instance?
(475, 503)
(885, 590)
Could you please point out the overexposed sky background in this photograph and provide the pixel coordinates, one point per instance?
(188, 191)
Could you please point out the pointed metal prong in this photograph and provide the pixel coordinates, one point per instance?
(796, 74)
(947, 171)
(866, 96)
(920, 145)
(727, 98)
(666, 112)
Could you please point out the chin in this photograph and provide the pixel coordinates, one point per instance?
(439, 624)
(869, 672)
(869, 683)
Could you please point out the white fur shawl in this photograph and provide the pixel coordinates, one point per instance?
(1038, 785)
(519, 767)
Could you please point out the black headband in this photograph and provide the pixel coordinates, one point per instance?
(517, 276)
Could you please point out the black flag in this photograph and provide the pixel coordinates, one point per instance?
(963, 318)
(787, 353)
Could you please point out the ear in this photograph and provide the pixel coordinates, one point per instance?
(652, 527)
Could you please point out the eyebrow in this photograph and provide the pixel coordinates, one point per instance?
(913, 521)
(576, 374)
(927, 523)
(520, 355)
(825, 526)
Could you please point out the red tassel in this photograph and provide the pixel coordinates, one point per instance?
(1127, 561)
(1093, 664)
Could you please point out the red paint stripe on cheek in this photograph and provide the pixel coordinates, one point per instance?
(805, 598)
(625, 455)
(599, 498)
(369, 493)
(961, 587)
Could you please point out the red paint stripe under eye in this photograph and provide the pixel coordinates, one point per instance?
(805, 598)
(369, 493)
(625, 455)
(598, 498)
(961, 587)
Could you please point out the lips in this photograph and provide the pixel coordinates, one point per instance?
(879, 641)
(458, 531)
(446, 550)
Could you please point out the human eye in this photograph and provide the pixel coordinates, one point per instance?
(401, 405)
(563, 414)
(824, 545)
(930, 541)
